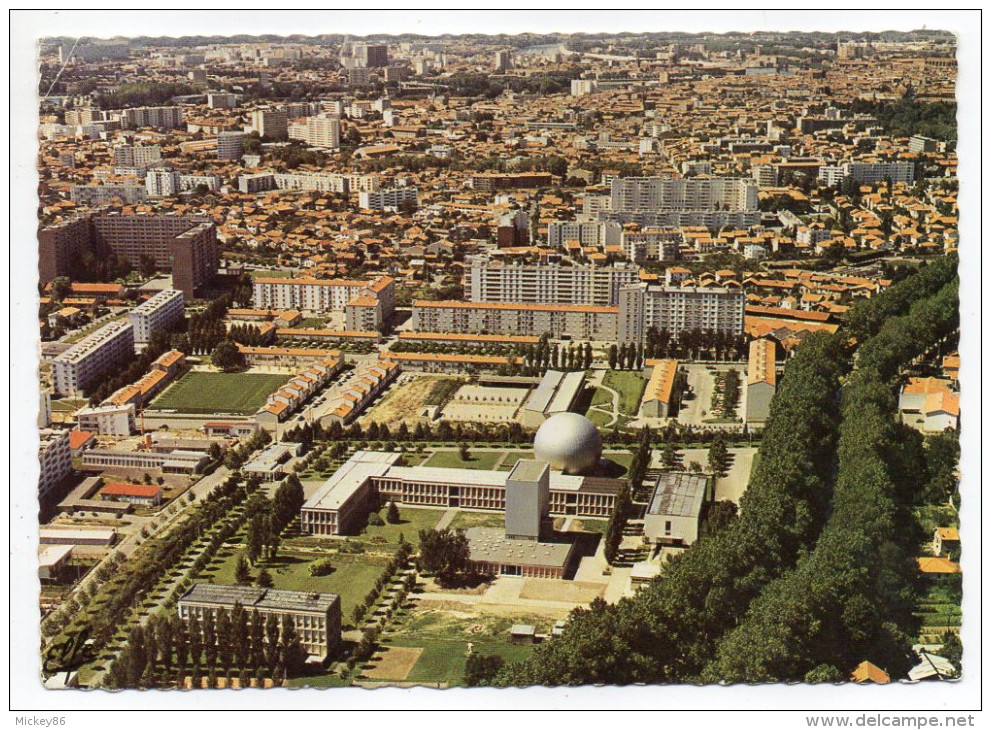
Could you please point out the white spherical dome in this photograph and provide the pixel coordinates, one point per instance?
(569, 442)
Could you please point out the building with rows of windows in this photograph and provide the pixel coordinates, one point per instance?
(315, 616)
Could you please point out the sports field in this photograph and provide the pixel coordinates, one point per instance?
(238, 393)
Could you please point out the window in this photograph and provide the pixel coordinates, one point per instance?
(667, 527)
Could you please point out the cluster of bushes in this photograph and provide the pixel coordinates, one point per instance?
(238, 455)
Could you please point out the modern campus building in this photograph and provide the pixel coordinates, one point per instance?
(95, 355)
(556, 393)
(679, 309)
(163, 311)
(558, 283)
(55, 458)
(674, 511)
(761, 381)
(323, 295)
(184, 245)
(315, 616)
(389, 198)
(344, 497)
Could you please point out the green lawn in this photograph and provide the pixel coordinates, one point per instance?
(630, 385)
(465, 520)
(352, 578)
(444, 661)
(599, 418)
(199, 392)
(477, 459)
(411, 521)
(512, 457)
(621, 463)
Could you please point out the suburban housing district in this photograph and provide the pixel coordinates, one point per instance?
(410, 361)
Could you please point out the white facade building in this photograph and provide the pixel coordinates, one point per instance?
(55, 458)
(161, 311)
(496, 281)
(107, 420)
(389, 198)
(679, 309)
(76, 368)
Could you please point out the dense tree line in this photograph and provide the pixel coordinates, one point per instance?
(670, 628)
(866, 318)
(852, 597)
(236, 643)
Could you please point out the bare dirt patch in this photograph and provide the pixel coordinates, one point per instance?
(395, 662)
(564, 591)
(404, 402)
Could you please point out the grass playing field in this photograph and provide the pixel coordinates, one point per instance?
(240, 393)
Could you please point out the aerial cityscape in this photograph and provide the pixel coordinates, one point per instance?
(498, 360)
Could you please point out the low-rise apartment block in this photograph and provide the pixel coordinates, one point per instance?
(323, 295)
(389, 199)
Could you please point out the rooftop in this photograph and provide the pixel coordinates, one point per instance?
(678, 494)
(490, 545)
(261, 598)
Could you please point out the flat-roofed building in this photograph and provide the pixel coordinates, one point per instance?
(175, 462)
(90, 536)
(107, 420)
(322, 295)
(53, 560)
(677, 309)
(494, 553)
(92, 357)
(186, 246)
(674, 511)
(322, 132)
(527, 499)
(55, 459)
(582, 322)
(663, 391)
(390, 198)
(762, 380)
(270, 464)
(556, 393)
(315, 616)
(344, 497)
(487, 280)
(163, 311)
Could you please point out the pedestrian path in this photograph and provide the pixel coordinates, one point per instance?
(446, 519)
